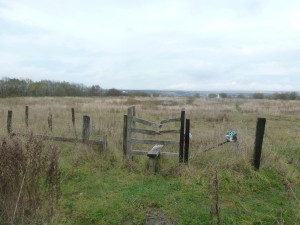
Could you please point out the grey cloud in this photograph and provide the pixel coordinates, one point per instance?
(184, 44)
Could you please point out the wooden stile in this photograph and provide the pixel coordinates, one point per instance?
(128, 141)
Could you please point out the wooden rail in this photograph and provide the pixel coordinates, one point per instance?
(168, 154)
(153, 142)
(146, 122)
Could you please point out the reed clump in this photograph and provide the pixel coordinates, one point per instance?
(29, 180)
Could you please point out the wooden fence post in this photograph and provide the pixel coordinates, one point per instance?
(86, 129)
(73, 117)
(133, 114)
(9, 121)
(125, 136)
(50, 122)
(73, 121)
(26, 115)
(181, 140)
(260, 129)
(187, 141)
(152, 165)
(129, 126)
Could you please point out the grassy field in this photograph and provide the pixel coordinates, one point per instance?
(102, 188)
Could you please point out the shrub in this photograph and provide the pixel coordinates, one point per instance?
(258, 96)
(190, 100)
(29, 180)
(132, 101)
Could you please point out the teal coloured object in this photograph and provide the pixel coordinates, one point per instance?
(231, 136)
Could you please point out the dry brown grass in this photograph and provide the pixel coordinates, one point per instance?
(29, 181)
(210, 119)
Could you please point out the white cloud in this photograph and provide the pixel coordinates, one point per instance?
(192, 44)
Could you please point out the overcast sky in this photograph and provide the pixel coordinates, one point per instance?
(154, 44)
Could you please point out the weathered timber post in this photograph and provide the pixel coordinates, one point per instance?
(73, 116)
(26, 115)
(181, 140)
(9, 121)
(153, 155)
(125, 137)
(133, 114)
(129, 126)
(73, 121)
(50, 122)
(260, 129)
(187, 140)
(86, 129)
(152, 165)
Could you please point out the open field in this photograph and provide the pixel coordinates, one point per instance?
(102, 188)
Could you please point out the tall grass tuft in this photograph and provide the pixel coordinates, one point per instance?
(29, 180)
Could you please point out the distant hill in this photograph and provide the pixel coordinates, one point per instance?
(179, 93)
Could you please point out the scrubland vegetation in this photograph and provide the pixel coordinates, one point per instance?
(89, 186)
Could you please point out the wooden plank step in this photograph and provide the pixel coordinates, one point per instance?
(167, 154)
(155, 151)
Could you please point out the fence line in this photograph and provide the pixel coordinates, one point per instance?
(85, 131)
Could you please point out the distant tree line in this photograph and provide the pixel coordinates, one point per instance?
(15, 87)
(26, 87)
(277, 95)
(12, 87)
